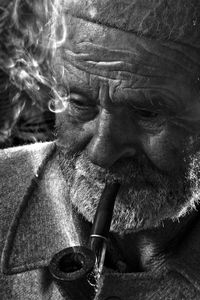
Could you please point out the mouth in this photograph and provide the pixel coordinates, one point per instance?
(98, 180)
(133, 175)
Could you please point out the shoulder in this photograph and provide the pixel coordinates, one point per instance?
(18, 165)
(23, 156)
(21, 162)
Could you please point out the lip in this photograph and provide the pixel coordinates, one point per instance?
(98, 177)
(137, 185)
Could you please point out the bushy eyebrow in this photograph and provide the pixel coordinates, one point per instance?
(131, 91)
(138, 100)
(151, 97)
(121, 92)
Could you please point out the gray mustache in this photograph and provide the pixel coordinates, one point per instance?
(138, 171)
(125, 171)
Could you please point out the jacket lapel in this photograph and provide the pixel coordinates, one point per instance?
(44, 222)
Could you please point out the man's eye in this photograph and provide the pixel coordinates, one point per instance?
(78, 103)
(79, 107)
(146, 114)
(149, 120)
(78, 100)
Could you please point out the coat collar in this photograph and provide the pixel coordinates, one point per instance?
(44, 221)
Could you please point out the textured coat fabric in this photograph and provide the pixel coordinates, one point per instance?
(37, 220)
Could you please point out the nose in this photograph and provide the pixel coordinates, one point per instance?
(113, 138)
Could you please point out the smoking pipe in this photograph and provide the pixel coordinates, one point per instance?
(76, 270)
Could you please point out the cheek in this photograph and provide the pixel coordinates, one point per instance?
(166, 150)
(71, 133)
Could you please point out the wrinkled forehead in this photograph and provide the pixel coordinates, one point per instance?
(118, 54)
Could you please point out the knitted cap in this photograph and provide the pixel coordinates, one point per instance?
(176, 20)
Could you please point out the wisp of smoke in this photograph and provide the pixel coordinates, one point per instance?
(31, 31)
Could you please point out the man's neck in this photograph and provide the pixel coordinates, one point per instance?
(148, 249)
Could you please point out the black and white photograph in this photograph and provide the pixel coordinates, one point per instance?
(99, 149)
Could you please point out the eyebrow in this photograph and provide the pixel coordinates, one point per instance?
(133, 94)
(141, 103)
(139, 100)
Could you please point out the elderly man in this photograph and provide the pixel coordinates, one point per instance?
(128, 110)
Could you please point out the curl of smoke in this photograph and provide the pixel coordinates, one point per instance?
(31, 32)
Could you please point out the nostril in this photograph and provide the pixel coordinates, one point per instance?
(102, 152)
(101, 160)
(107, 153)
(129, 152)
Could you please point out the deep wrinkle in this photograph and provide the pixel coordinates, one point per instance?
(149, 55)
(120, 90)
(123, 92)
(134, 66)
(133, 91)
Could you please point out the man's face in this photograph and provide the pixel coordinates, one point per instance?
(129, 117)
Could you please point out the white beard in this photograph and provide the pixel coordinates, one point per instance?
(146, 197)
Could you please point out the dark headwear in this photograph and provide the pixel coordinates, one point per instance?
(176, 20)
